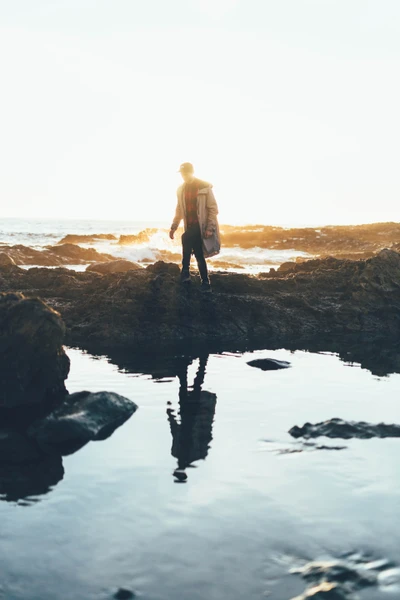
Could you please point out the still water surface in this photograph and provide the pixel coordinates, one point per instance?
(249, 510)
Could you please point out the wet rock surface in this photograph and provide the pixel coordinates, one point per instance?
(52, 256)
(33, 364)
(82, 417)
(269, 364)
(338, 428)
(341, 579)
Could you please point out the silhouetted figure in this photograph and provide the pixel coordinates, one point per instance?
(197, 206)
(191, 437)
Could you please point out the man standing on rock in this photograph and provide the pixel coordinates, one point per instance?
(198, 208)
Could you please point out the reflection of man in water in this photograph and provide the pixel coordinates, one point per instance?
(192, 436)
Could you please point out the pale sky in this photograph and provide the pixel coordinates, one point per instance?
(289, 107)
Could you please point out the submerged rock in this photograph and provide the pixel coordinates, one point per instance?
(269, 364)
(123, 594)
(338, 428)
(82, 417)
(114, 266)
(33, 364)
(339, 579)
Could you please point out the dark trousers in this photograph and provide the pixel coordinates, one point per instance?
(192, 244)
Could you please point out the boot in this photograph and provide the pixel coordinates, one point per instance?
(185, 276)
(206, 287)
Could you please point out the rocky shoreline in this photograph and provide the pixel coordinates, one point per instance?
(147, 310)
(356, 242)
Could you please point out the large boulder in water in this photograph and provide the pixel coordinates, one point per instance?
(33, 364)
(115, 266)
(82, 417)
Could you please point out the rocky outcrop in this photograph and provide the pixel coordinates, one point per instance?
(33, 364)
(72, 238)
(323, 299)
(347, 241)
(114, 266)
(73, 254)
(338, 428)
(66, 254)
(340, 579)
(269, 364)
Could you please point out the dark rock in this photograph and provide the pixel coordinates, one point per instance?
(338, 428)
(24, 481)
(33, 364)
(269, 364)
(82, 417)
(71, 238)
(15, 447)
(325, 300)
(123, 594)
(114, 266)
(339, 579)
(161, 267)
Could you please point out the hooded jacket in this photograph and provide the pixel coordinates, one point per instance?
(207, 211)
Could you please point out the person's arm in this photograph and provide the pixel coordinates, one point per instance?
(212, 212)
(177, 219)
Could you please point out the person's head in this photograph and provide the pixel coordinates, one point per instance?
(187, 172)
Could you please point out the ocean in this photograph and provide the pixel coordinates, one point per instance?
(39, 233)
